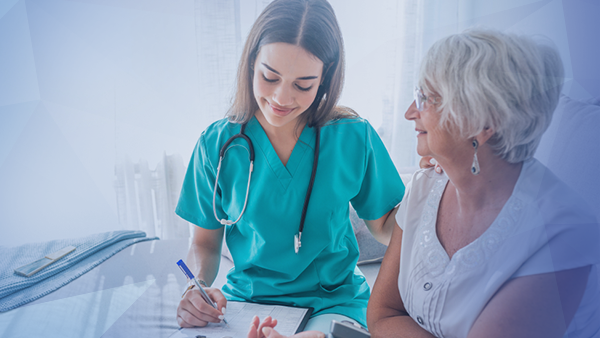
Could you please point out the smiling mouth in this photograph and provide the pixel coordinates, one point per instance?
(420, 132)
(280, 111)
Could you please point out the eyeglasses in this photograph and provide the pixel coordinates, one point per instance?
(421, 98)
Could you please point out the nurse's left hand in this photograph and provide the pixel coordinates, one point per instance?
(265, 330)
(429, 162)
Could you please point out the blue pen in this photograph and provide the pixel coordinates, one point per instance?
(189, 275)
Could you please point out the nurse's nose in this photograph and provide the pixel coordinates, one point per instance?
(283, 96)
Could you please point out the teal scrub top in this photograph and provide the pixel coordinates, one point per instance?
(353, 166)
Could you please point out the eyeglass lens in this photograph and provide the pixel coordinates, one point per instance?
(419, 98)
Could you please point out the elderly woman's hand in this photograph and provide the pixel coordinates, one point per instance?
(428, 162)
(265, 330)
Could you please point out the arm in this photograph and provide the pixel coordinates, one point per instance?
(540, 305)
(382, 228)
(203, 258)
(386, 315)
(381, 186)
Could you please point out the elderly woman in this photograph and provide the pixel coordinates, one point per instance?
(496, 246)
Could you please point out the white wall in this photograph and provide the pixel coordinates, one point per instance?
(86, 82)
(83, 83)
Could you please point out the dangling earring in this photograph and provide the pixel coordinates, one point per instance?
(475, 166)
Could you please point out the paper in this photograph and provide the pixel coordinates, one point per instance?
(239, 316)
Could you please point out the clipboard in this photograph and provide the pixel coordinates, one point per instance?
(290, 320)
(302, 325)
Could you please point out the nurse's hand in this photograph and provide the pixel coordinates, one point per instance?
(194, 311)
(265, 330)
(428, 162)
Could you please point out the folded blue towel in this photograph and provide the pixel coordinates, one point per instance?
(16, 290)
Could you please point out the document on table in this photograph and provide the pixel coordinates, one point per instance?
(239, 316)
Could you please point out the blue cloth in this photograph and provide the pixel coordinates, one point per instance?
(16, 290)
(354, 166)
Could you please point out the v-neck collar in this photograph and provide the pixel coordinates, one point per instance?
(285, 173)
(474, 253)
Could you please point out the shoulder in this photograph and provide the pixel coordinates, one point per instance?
(424, 184)
(424, 180)
(220, 129)
(557, 229)
(556, 214)
(348, 122)
(213, 137)
(554, 199)
(348, 128)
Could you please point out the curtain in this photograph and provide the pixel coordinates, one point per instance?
(405, 53)
(219, 45)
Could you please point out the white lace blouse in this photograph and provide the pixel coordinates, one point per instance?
(543, 227)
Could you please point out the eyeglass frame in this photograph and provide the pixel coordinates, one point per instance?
(421, 98)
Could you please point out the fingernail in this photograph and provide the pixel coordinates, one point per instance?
(438, 170)
(266, 330)
(223, 310)
(221, 317)
(433, 161)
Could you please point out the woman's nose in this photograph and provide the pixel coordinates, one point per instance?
(412, 112)
(283, 96)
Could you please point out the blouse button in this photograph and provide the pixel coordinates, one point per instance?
(427, 286)
(420, 320)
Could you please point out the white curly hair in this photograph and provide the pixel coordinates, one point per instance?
(490, 79)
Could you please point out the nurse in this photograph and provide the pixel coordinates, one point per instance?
(289, 80)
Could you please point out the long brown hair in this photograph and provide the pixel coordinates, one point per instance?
(312, 25)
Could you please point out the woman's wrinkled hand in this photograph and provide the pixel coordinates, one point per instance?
(193, 311)
(266, 330)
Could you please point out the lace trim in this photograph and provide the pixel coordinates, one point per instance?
(472, 255)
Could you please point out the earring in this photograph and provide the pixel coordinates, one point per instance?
(475, 166)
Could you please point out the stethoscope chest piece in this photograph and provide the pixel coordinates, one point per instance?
(297, 242)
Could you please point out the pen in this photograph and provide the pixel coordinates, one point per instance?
(189, 275)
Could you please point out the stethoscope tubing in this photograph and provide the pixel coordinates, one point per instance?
(225, 148)
(310, 187)
(225, 221)
(222, 152)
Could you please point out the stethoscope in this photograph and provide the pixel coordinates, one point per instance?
(225, 148)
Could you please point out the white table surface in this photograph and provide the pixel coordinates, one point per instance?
(135, 293)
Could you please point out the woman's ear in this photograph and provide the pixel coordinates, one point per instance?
(485, 135)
